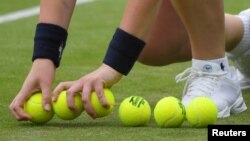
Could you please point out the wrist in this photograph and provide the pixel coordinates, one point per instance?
(110, 75)
(123, 51)
(112, 70)
(44, 63)
(49, 42)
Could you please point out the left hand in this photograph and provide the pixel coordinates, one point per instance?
(103, 77)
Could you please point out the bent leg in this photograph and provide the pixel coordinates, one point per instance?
(168, 41)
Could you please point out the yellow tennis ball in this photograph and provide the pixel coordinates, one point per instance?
(134, 111)
(33, 106)
(169, 112)
(201, 112)
(98, 108)
(61, 106)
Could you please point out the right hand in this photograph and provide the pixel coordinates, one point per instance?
(103, 77)
(40, 78)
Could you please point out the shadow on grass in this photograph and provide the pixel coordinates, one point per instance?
(97, 124)
(70, 124)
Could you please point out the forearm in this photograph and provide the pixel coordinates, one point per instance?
(56, 12)
(129, 39)
(139, 16)
(51, 31)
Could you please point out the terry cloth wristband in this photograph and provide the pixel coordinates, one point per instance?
(49, 42)
(123, 51)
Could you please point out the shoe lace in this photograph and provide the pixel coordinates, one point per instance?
(204, 83)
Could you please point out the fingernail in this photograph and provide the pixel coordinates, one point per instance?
(53, 99)
(47, 107)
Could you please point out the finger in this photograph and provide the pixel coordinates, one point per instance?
(101, 96)
(18, 105)
(17, 108)
(86, 93)
(15, 115)
(71, 92)
(22, 115)
(46, 91)
(60, 87)
(12, 110)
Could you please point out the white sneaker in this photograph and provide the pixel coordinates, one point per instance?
(241, 54)
(244, 80)
(209, 80)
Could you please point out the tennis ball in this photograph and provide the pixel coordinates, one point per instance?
(61, 106)
(33, 106)
(201, 112)
(134, 111)
(169, 112)
(98, 108)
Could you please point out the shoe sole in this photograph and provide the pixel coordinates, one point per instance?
(238, 107)
(243, 80)
(245, 84)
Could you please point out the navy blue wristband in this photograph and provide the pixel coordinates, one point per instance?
(123, 51)
(49, 42)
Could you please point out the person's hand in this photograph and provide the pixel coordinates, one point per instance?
(103, 77)
(40, 78)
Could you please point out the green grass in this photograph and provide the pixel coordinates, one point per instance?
(91, 29)
(14, 5)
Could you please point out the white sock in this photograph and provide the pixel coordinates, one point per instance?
(244, 44)
(222, 62)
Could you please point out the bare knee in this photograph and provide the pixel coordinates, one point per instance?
(165, 56)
